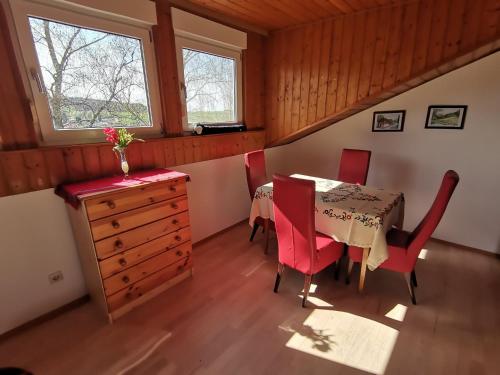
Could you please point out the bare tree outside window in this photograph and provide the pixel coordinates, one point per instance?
(92, 79)
(210, 87)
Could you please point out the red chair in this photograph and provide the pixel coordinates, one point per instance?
(405, 247)
(354, 166)
(255, 166)
(299, 245)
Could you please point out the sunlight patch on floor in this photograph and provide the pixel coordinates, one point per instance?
(398, 312)
(423, 254)
(344, 338)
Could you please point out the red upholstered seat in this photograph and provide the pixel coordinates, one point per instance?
(404, 247)
(255, 167)
(354, 165)
(299, 245)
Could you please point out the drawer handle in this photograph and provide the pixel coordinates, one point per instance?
(118, 244)
(178, 238)
(172, 188)
(115, 224)
(111, 204)
(174, 206)
(178, 253)
(175, 221)
(125, 279)
(122, 262)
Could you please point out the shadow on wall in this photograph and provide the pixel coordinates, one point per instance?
(391, 171)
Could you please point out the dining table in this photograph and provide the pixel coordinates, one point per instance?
(353, 214)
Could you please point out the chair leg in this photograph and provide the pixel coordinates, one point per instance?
(281, 269)
(409, 283)
(307, 285)
(254, 230)
(414, 278)
(337, 269)
(349, 270)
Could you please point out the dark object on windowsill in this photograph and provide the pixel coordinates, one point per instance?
(13, 371)
(204, 128)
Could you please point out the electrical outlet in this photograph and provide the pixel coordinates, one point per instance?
(55, 277)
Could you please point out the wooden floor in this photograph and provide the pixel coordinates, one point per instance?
(227, 320)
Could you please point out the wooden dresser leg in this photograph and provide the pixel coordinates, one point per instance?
(362, 275)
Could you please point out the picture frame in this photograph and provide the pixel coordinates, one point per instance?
(388, 121)
(445, 117)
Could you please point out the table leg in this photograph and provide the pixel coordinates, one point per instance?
(266, 235)
(362, 275)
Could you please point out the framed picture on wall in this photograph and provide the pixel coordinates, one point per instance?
(445, 117)
(388, 121)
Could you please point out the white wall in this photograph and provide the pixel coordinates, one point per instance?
(36, 238)
(415, 160)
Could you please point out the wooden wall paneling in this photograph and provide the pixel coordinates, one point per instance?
(282, 51)
(178, 144)
(15, 174)
(158, 155)
(409, 34)
(454, 30)
(164, 40)
(169, 152)
(134, 156)
(92, 161)
(270, 86)
(424, 22)
(324, 65)
(56, 165)
(490, 19)
(334, 66)
(306, 75)
(288, 62)
(254, 81)
(345, 62)
(368, 54)
(4, 187)
(381, 47)
(439, 23)
(314, 78)
(147, 153)
(356, 57)
(16, 123)
(297, 60)
(75, 166)
(471, 23)
(188, 146)
(391, 64)
(109, 160)
(36, 169)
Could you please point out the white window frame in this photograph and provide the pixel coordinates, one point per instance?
(21, 9)
(182, 42)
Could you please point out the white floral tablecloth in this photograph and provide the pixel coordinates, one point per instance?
(353, 214)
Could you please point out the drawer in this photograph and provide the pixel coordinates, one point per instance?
(115, 203)
(125, 221)
(175, 226)
(137, 290)
(127, 259)
(138, 272)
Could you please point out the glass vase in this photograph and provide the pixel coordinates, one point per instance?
(123, 161)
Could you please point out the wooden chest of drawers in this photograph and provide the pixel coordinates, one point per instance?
(133, 242)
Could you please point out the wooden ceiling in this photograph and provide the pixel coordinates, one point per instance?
(279, 14)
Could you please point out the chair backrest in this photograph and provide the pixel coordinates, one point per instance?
(354, 166)
(426, 227)
(255, 165)
(293, 201)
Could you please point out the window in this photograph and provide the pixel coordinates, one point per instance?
(211, 82)
(87, 73)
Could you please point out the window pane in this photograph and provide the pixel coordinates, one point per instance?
(93, 79)
(210, 86)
